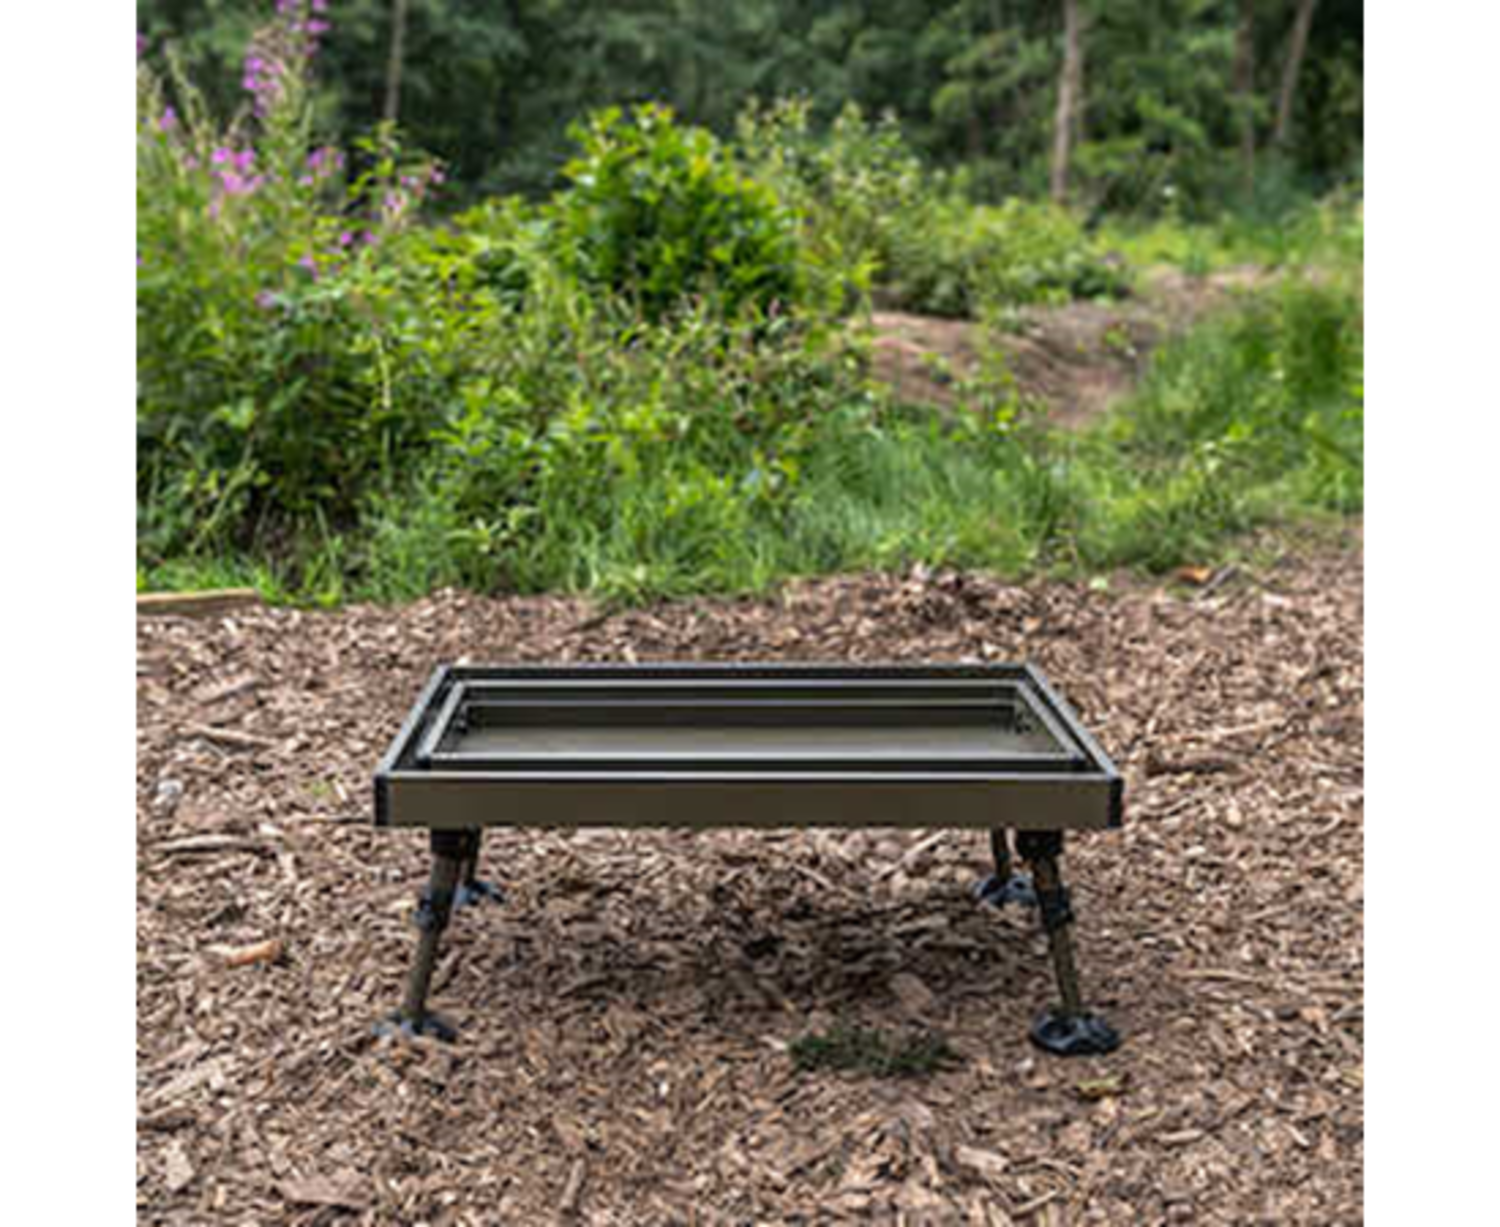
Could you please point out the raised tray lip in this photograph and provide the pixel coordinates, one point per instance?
(1101, 770)
(427, 754)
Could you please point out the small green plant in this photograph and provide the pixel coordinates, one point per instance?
(877, 1054)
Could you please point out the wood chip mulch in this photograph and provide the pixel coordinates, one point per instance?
(626, 1015)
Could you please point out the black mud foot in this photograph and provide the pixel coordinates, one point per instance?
(1073, 1035)
(433, 1026)
(997, 891)
(477, 891)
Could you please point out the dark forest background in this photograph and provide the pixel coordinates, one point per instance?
(1187, 104)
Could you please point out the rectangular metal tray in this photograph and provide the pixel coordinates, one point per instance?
(744, 745)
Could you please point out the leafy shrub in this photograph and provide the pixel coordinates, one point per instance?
(629, 468)
(659, 214)
(872, 213)
(853, 188)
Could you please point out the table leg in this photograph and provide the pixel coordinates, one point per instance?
(1067, 1029)
(432, 916)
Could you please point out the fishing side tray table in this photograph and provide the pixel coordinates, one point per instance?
(989, 747)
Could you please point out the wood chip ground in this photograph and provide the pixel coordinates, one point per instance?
(626, 1015)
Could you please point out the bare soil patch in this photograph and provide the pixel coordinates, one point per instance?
(1074, 360)
(627, 1014)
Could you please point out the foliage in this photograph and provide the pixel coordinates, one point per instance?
(974, 260)
(266, 385)
(658, 213)
(853, 187)
(639, 387)
(1249, 419)
(871, 209)
(493, 88)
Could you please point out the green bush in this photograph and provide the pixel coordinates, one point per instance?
(852, 187)
(659, 214)
(872, 214)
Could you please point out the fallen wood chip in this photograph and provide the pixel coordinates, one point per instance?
(568, 1203)
(219, 692)
(167, 1119)
(268, 951)
(1038, 1203)
(985, 1163)
(1203, 765)
(910, 855)
(179, 1169)
(195, 604)
(207, 845)
(211, 1071)
(230, 737)
(915, 997)
(1100, 1088)
(346, 1190)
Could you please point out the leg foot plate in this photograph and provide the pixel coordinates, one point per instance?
(997, 892)
(1073, 1035)
(434, 1026)
(470, 894)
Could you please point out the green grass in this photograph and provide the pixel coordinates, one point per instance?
(1256, 418)
(1327, 234)
(1253, 418)
(874, 1053)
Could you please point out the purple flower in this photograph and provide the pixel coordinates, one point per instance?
(265, 300)
(345, 238)
(168, 119)
(141, 43)
(281, 50)
(236, 178)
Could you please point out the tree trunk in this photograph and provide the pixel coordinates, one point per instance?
(1069, 99)
(392, 111)
(1244, 89)
(1295, 51)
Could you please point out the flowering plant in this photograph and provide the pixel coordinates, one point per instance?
(261, 318)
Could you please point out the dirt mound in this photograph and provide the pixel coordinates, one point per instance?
(626, 1015)
(1075, 360)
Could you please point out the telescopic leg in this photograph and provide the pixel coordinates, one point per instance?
(432, 915)
(1005, 885)
(1067, 1029)
(473, 889)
